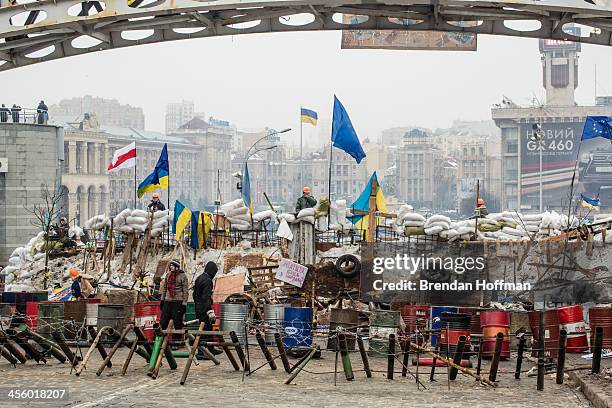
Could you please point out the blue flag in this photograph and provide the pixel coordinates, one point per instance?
(246, 189)
(597, 126)
(343, 134)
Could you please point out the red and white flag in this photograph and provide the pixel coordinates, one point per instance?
(123, 158)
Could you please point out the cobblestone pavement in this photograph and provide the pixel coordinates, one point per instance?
(209, 385)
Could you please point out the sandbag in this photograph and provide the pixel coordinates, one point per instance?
(238, 211)
(448, 234)
(264, 215)
(160, 214)
(444, 225)
(161, 224)
(139, 227)
(306, 212)
(139, 213)
(533, 217)
(434, 230)
(131, 220)
(465, 230)
(412, 217)
(435, 218)
(309, 218)
(489, 227)
(287, 217)
(513, 231)
(409, 231)
(413, 223)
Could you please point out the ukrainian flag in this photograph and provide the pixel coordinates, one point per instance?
(182, 218)
(246, 189)
(590, 203)
(160, 176)
(200, 227)
(309, 116)
(363, 203)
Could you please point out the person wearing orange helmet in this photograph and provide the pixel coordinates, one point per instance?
(305, 201)
(481, 207)
(156, 204)
(81, 285)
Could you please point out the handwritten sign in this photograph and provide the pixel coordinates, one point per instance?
(291, 272)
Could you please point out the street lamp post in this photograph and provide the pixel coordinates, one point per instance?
(538, 136)
(260, 149)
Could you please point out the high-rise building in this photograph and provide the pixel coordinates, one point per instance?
(540, 144)
(179, 113)
(415, 168)
(109, 112)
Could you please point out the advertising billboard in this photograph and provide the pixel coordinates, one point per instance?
(405, 39)
(561, 148)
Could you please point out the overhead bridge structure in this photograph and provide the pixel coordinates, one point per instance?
(38, 31)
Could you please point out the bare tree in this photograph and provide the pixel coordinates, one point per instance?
(44, 214)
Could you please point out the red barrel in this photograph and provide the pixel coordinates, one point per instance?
(145, 315)
(601, 317)
(493, 322)
(572, 320)
(454, 325)
(551, 332)
(32, 316)
(416, 317)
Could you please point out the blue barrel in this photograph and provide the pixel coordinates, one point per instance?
(436, 312)
(298, 327)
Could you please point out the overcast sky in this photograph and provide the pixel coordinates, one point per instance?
(261, 80)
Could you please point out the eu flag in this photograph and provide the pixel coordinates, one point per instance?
(246, 189)
(597, 126)
(160, 176)
(343, 134)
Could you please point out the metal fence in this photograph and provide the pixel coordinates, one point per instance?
(10, 114)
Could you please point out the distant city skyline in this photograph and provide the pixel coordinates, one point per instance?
(418, 88)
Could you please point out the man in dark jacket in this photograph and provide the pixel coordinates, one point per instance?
(155, 204)
(202, 296)
(174, 296)
(15, 113)
(305, 201)
(4, 113)
(43, 112)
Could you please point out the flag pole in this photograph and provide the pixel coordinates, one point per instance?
(168, 208)
(135, 167)
(331, 147)
(301, 151)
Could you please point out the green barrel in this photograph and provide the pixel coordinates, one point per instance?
(382, 324)
(50, 318)
(41, 296)
(190, 315)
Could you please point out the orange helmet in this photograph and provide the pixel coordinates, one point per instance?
(480, 201)
(74, 273)
(306, 189)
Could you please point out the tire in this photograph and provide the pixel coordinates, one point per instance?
(348, 266)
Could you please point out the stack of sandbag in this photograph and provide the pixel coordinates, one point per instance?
(75, 232)
(97, 222)
(411, 223)
(120, 218)
(338, 214)
(161, 221)
(531, 223)
(264, 215)
(436, 224)
(321, 213)
(238, 215)
(306, 215)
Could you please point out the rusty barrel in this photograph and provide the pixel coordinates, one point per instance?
(7, 311)
(601, 317)
(343, 320)
(571, 318)
(145, 315)
(493, 322)
(416, 319)
(74, 318)
(111, 315)
(551, 332)
(454, 325)
(50, 318)
(31, 319)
